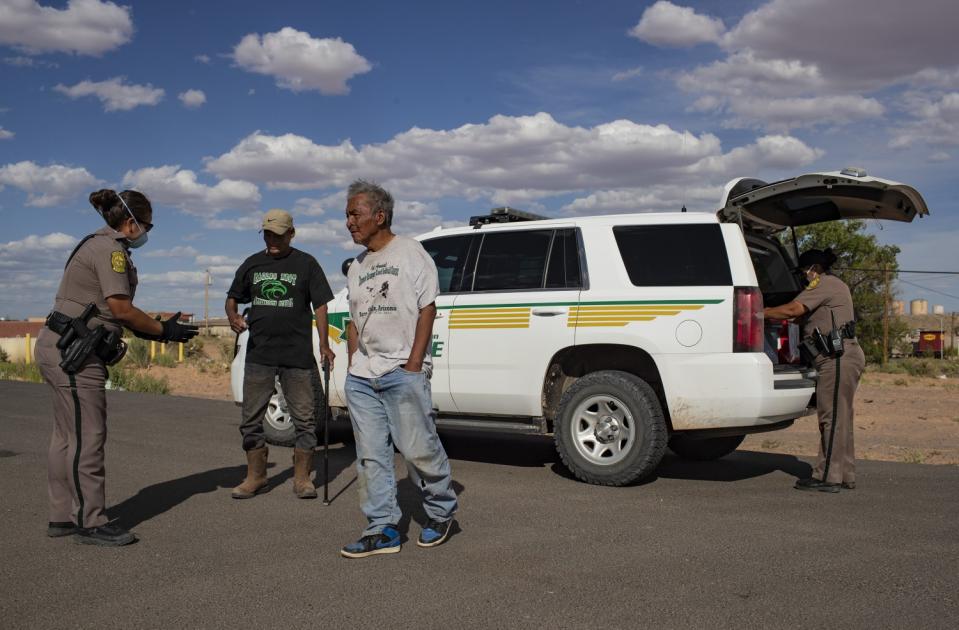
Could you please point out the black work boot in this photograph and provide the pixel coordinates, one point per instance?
(58, 529)
(105, 536)
(812, 484)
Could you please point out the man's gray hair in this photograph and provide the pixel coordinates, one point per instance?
(380, 199)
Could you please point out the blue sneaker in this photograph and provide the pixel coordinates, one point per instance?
(434, 533)
(387, 541)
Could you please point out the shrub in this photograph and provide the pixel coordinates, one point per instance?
(914, 366)
(165, 360)
(194, 348)
(20, 372)
(138, 352)
(131, 381)
(4, 357)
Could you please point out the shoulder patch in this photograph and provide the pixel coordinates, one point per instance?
(119, 262)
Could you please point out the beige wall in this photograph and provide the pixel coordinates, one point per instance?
(16, 347)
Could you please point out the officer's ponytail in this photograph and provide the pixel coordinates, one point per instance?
(107, 203)
(829, 259)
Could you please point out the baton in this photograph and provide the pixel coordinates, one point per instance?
(326, 431)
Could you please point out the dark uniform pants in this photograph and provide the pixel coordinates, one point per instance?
(842, 467)
(75, 471)
(259, 383)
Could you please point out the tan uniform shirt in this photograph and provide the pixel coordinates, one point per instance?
(829, 295)
(101, 268)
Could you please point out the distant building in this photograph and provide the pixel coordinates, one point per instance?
(898, 307)
(919, 307)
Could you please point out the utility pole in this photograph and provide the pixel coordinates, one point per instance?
(885, 317)
(952, 333)
(206, 301)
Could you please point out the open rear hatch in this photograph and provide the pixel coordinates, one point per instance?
(817, 198)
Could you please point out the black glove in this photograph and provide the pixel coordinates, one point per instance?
(173, 330)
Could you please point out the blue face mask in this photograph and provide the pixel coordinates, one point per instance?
(141, 240)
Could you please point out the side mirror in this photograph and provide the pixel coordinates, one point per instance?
(346, 265)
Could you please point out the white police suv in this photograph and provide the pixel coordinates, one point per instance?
(622, 334)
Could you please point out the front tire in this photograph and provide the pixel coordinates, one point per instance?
(610, 429)
(704, 450)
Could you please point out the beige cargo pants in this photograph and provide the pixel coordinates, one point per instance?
(75, 471)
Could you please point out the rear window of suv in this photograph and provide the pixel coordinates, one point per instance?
(674, 255)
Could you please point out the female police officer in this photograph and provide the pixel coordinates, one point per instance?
(825, 304)
(82, 336)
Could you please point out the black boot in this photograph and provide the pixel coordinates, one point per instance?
(105, 536)
(814, 485)
(58, 529)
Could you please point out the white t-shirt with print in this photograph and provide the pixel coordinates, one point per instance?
(387, 289)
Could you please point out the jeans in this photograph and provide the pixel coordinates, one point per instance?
(397, 408)
(259, 383)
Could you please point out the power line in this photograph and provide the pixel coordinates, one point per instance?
(928, 289)
(946, 273)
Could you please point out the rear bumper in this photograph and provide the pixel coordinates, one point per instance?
(732, 390)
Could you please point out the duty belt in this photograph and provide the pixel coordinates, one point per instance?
(77, 341)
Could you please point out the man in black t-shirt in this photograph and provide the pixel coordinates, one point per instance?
(286, 289)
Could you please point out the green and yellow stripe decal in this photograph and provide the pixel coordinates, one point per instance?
(581, 314)
(621, 314)
(479, 317)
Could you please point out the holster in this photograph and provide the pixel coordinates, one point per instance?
(77, 341)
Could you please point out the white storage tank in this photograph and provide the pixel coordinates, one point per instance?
(919, 307)
(938, 309)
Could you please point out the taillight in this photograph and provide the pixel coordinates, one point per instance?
(747, 319)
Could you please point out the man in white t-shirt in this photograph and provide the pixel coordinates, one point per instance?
(392, 287)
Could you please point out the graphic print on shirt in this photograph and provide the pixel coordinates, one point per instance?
(376, 288)
(271, 289)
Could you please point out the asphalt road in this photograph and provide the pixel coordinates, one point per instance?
(721, 544)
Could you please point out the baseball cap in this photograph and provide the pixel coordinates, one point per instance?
(277, 221)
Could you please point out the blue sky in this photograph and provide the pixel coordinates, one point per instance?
(220, 110)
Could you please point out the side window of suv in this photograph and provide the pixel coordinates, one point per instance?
(564, 271)
(449, 254)
(674, 255)
(512, 260)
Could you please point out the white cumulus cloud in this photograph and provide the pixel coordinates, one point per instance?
(179, 251)
(171, 185)
(507, 159)
(667, 24)
(300, 62)
(47, 185)
(114, 93)
(192, 98)
(934, 121)
(860, 42)
(84, 27)
(6, 134)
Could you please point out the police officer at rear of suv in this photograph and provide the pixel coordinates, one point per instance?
(82, 336)
(281, 283)
(828, 323)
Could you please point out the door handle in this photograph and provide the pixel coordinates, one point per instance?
(548, 312)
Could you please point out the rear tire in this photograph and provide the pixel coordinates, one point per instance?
(704, 450)
(610, 428)
(278, 427)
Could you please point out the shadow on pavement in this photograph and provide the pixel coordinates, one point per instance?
(411, 502)
(161, 497)
(538, 451)
(533, 451)
(736, 466)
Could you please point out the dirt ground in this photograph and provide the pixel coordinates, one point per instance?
(898, 417)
